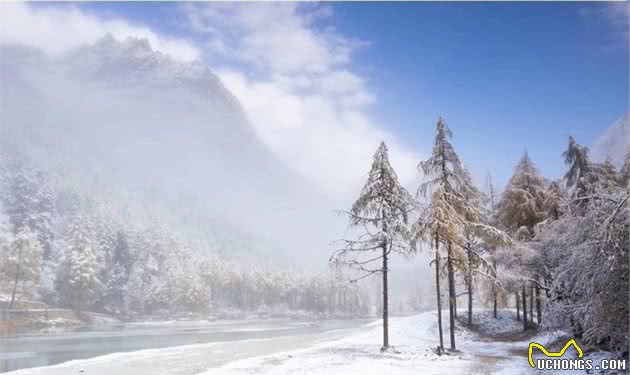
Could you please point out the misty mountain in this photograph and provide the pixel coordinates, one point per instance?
(614, 143)
(131, 125)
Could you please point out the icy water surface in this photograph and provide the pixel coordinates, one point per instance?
(34, 350)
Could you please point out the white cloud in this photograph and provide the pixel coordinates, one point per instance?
(61, 28)
(276, 36)
(618, 13)
(292, 72)
(614, 13)
(327, 141)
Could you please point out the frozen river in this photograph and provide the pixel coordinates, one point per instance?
(188, 347)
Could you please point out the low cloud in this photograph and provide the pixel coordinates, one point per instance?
(58, 29)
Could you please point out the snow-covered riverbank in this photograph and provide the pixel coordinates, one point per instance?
(351, 350)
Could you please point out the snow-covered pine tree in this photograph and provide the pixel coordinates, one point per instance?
(521, 206)
(447, 181)
(28, 199)
(21, 260)
(381, 209)
(115, 291)
(44, 213)
(77, 279)
(116, 275)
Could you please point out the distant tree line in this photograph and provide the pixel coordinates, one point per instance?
(72, 250)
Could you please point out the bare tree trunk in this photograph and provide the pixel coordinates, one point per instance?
(17, 278)
(547, 292)
(470, 289)
(15, 284)
(518, 308)
(494, 291)
(531, 304)
(385, 317)
(451, 295)
(538, 306)
(454, 299)
(524, 295)
(437, 288)
(379, 295)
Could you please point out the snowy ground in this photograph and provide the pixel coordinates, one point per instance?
(350, 352)
(414, 339)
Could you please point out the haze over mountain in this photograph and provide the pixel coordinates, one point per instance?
(614, 143)
(165, 140)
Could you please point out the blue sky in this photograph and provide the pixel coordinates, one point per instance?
(506, 76)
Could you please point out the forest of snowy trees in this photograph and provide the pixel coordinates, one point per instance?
(67, 248)
(557, 250)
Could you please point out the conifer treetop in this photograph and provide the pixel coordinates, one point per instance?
(380, 212)
(522, 204)
(451, 191)
(382, 197)
(444, 165)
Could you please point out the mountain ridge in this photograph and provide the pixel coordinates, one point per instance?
(168, 130)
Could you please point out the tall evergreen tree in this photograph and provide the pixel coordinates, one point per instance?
(117, 276)
(21, 260)
(522, 204)
(521, 208)
(78, 272)
(28, 199)
(381, 209)
(446, 219)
